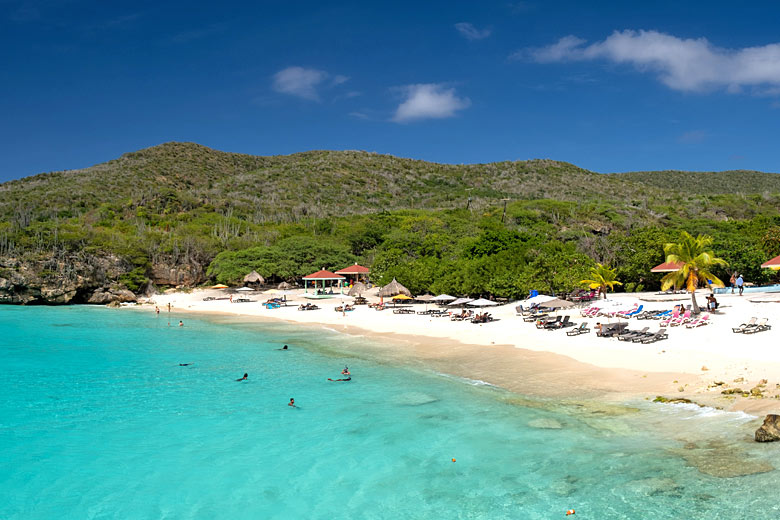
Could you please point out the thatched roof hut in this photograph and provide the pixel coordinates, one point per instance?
(284, 286)
(393, 289)
(358, 289)
(254, 277)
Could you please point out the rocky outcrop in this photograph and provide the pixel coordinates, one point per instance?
(186, 274)
(770, 430)
(62, 278)
(114, 294)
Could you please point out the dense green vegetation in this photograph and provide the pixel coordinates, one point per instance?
(438, 228)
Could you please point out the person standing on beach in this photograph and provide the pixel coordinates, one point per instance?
(740, 284)
(733, 281)
(169, 306)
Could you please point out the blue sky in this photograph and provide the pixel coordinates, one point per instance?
(612, 87)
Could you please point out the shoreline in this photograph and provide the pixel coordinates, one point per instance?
(516, 356)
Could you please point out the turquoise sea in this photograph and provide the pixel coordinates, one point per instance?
(98, 420)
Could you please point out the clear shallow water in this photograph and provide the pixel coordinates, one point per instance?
(97, 420)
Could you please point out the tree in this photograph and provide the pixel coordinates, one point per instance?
(697, 262)
(602, 277)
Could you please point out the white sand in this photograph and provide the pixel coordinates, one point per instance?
(726, 356)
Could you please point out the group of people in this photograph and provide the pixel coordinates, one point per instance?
(737, 281)
(347, 376)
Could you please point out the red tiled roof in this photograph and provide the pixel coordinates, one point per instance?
(323, 275)
(775, 262)
(666, 267)
(354, 269)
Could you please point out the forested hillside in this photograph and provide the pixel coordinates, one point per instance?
(183, 214)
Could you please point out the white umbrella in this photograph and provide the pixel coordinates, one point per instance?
(536, 300)
(442, 298)
(482, 302)
(245, 289)
(461, 301)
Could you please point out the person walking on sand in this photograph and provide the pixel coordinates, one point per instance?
(169, 306)
(740, 284)
(733, 281)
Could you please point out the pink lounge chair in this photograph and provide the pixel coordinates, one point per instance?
(674, 316)
(698, 322)
(685, 318)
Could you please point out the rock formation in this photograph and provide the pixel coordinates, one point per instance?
(770, 430)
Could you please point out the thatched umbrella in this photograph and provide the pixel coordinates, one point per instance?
(358, 289)
(284, 286)
(254, 277)
(394, 288)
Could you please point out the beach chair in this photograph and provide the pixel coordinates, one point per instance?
(661, 334)
(543, 324)
(582, 329)
(631, 334)
(558, 324)
(761, 326)
(631, 313)
(662, 315)
(743, 326)
(685, 318)
(698, 322)
(675, 314)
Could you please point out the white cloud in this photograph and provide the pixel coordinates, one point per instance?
(470, 32)
(299, 81)
(338, 79)
(428, 101)
(693, 137)
(680, 64)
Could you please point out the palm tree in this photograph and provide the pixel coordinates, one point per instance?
(697, 261)
(602, 277)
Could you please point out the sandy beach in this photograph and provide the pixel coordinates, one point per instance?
(697, 364)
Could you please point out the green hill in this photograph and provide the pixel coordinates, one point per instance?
(711, 183)
(182, 214)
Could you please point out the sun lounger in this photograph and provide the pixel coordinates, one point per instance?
(661, 334)
(631, 313)
(543, 324)
(662, 315)
(743, 326)
(698, 322)
(675, 314)
(612, 329)
(558, 324)
(582, 329)
(761, 326)
(631, 334)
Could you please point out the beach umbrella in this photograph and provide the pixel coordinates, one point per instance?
(254, 277)
(358, 289)
(394, 288)
(536, 300)
(245, 289)
(284, 286)
(424, 298)
(402, 297)
(557, 303)
(460, 301)
(481, 302)
(219, 286)
(443, 298)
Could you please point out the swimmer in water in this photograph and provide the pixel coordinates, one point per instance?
(246, 376)
(346, 379)
(184, 364)
(283, 348)
(291, 403)
(345, 372)
(181, 323)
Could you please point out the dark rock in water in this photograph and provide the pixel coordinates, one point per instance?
(770, 430)
(672, 400)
